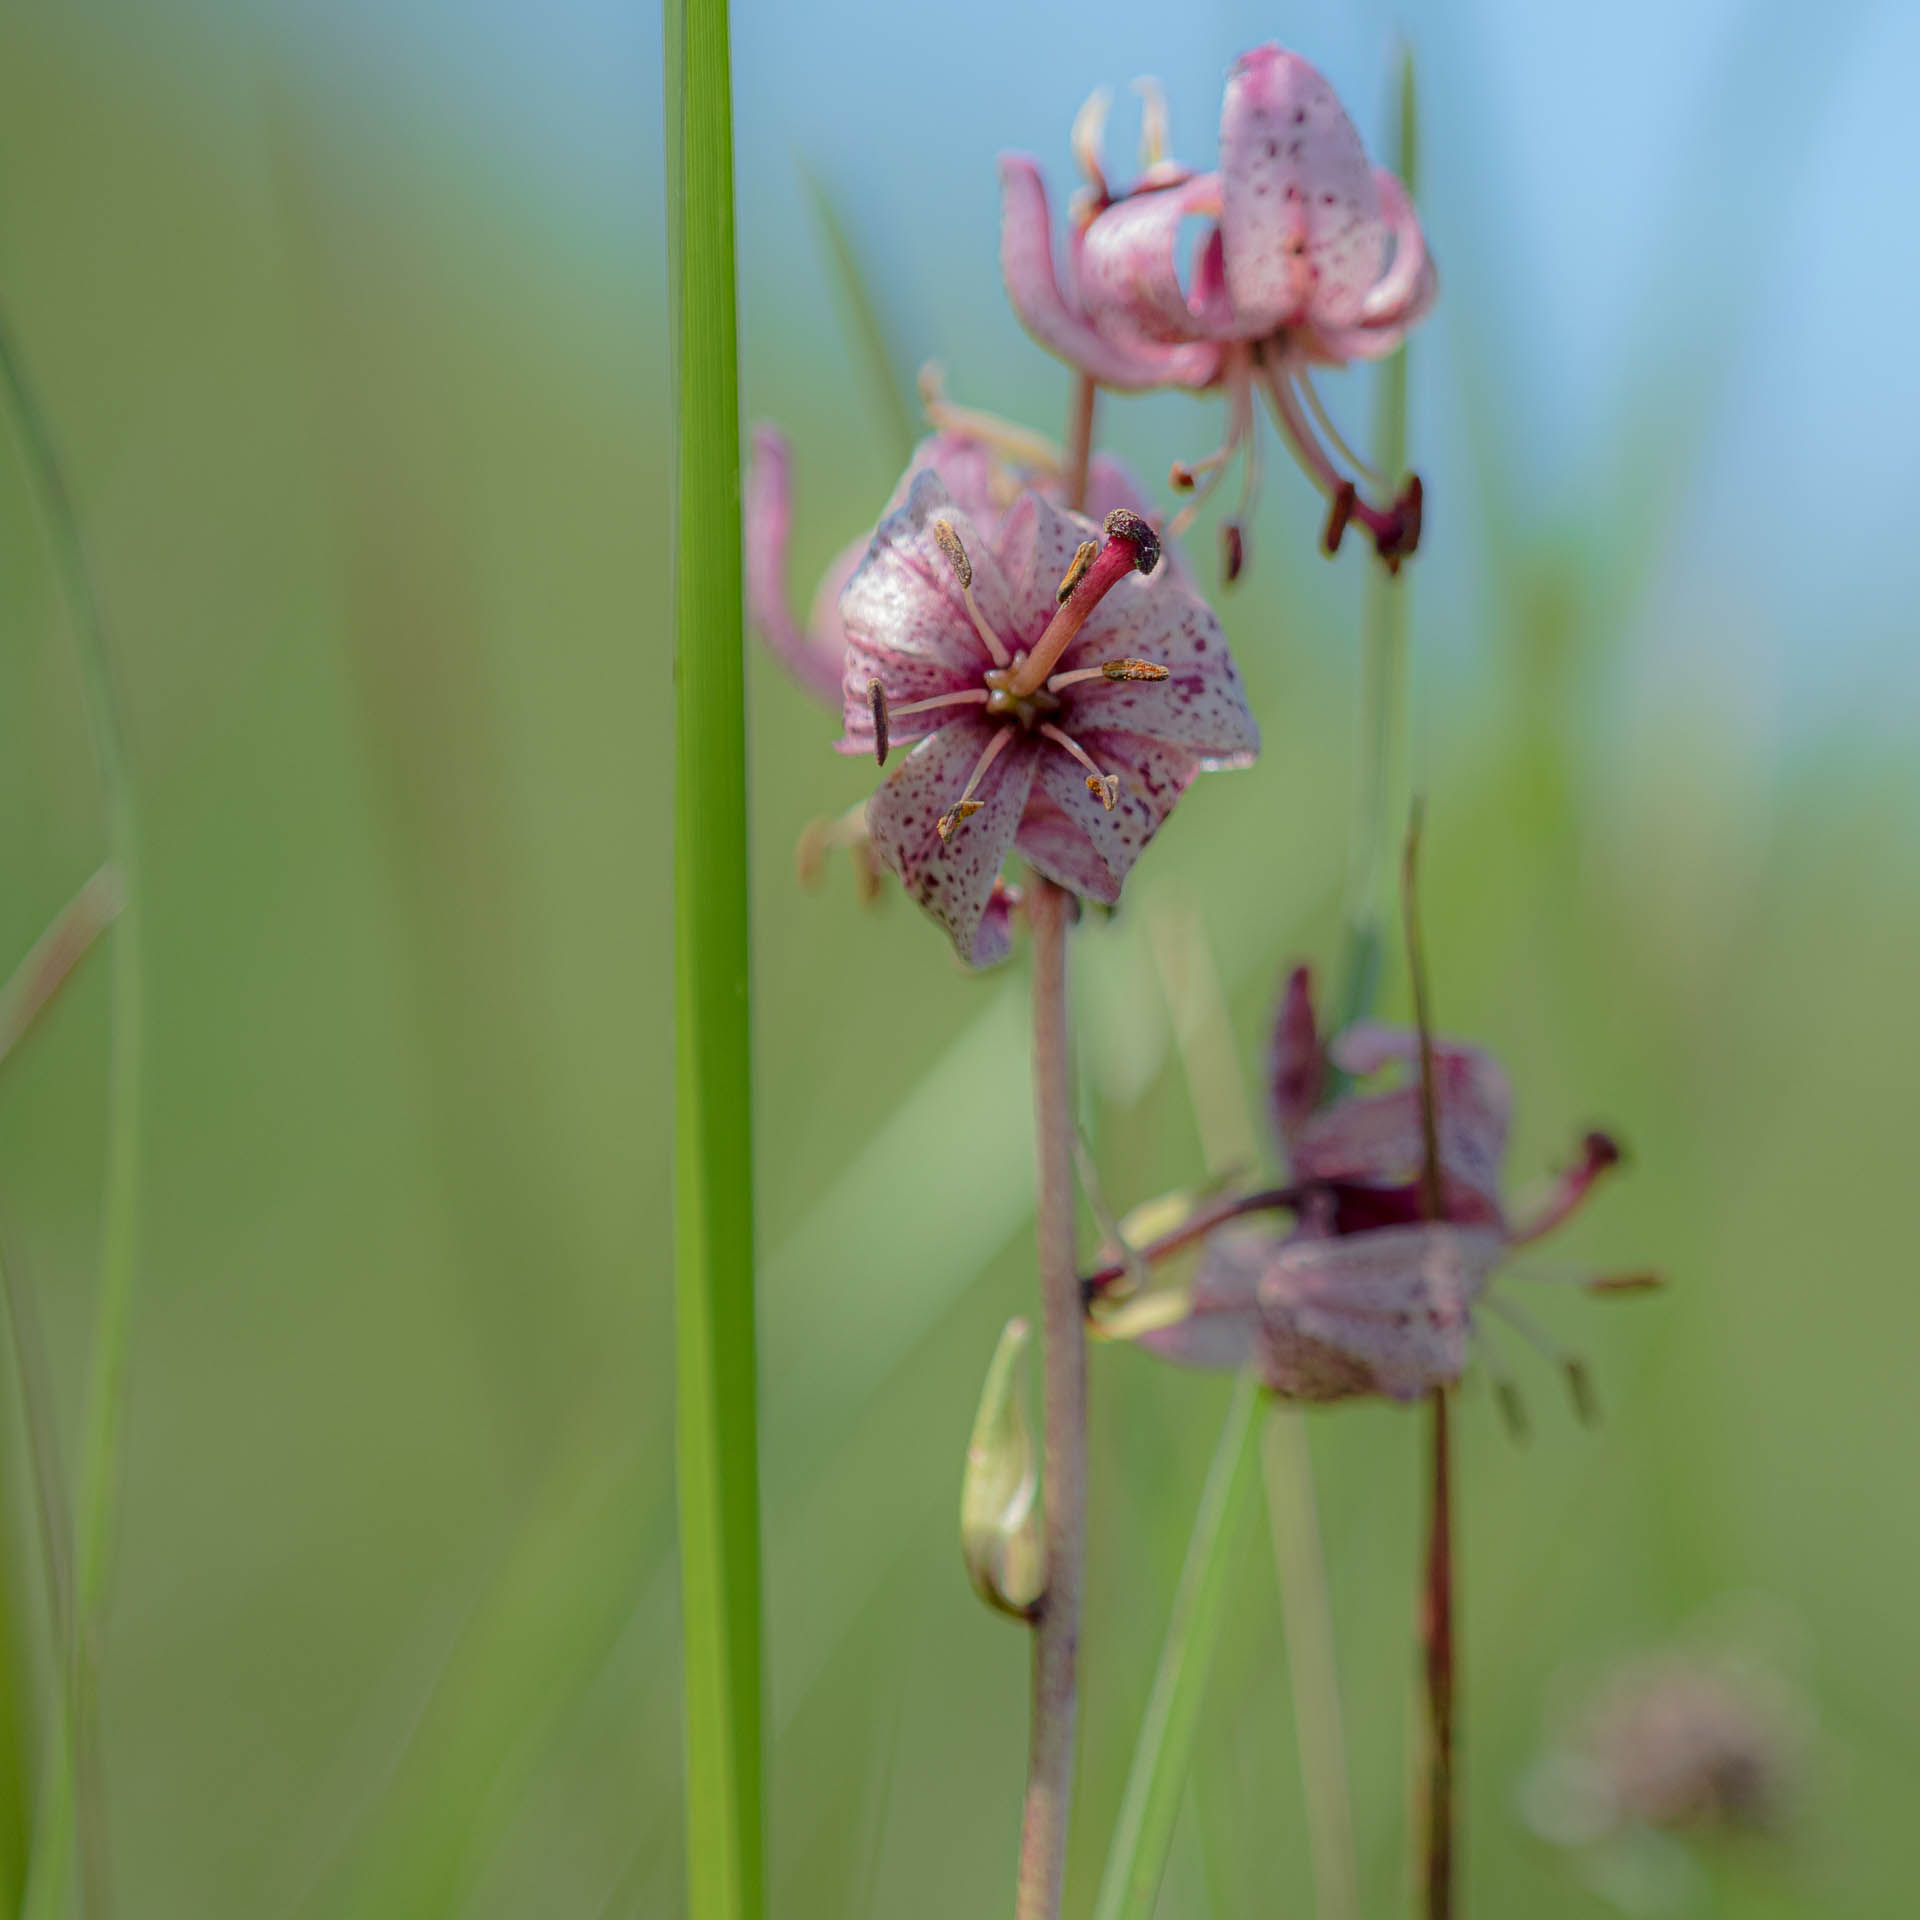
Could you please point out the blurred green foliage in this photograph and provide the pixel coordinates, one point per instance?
(371, 459)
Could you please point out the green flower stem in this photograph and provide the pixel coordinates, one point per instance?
(1056, 1633)
(713, 1215)
(71, 1808)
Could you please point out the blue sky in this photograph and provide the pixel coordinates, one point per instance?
(1640, 212)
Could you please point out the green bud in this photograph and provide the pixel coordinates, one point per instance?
(999, 1528)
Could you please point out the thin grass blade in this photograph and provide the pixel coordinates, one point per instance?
(716, 1371)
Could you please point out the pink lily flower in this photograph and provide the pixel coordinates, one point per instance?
(1366, 1294)
(1055, 703)
(1313, 258)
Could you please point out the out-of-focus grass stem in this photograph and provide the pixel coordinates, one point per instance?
(73, 1798)
(716, 1371)
(1383, 727)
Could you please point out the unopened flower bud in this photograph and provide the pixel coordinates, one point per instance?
(1000, 1537)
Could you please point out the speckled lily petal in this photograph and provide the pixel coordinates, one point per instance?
(953, 879)
(1475, 1096)
(1303, 232)
(1054, 846)
(906, 620)
(1221, 1328)
(1202, 706)
(1152, 777)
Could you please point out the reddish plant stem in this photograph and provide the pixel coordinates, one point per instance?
(1442, 1672)
(1056, 1634)
(1437, 1813)
(1204, 1221)
(1080, 442)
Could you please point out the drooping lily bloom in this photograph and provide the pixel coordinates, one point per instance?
(1056, 702)
(984, 463)
(1369, 1292)
(1309, 257)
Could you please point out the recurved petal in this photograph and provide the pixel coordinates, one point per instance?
(1296, 1061)
(967, 469)
(953, 879)
(1201, 706)
(1302, 228)
(1397, 1302)
(1474, 1094)
(1033, 286)
(1406, 290)
(816, 657)
(1128, 274)
(1053, 845)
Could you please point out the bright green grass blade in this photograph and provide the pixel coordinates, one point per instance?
(872, 345)
(1383, 744)
(71, 1808)
(713, 1213)
(1158, 1776)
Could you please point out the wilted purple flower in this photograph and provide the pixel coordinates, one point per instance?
(1679, 1740)
(1313, 257)
(1368, 1294)
(1056, 703)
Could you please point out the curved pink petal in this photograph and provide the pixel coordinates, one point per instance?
(906, 618)
(1475, 1095)
(967, 468)
(1302, 228)
(1127, 268)
(1152, 777)
(1406, 290)
(953, 879)
(1026, 264)
(816, 657)
(1397, 1302)
(1202, 706)
(1035, 545)
(1296, 1061)
(1051, 844)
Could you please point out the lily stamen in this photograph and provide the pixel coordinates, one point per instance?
(951, 545)
(966, 695)
(967, 806)
(1339, 441)
(1107, 670)
(1105, 787)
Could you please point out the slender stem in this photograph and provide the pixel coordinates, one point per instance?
(1441, 1673)
(74, 1799)
(715, 1369)
(1080, 441)
(1191, 1231)
(1383, 726)
(1056, 1636)
(1294, 1521)
(1437, 1816)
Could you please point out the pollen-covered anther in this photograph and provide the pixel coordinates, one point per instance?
(1133, 670)
(1233, 551)
(877, 709)
(949, 822)
(1182, 478)
(1105, 787)
(1124, 524)
(950, 544)
(1083, 558)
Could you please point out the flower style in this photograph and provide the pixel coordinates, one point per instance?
(1367, 1294)
(1313, 258)
(1054, 703)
